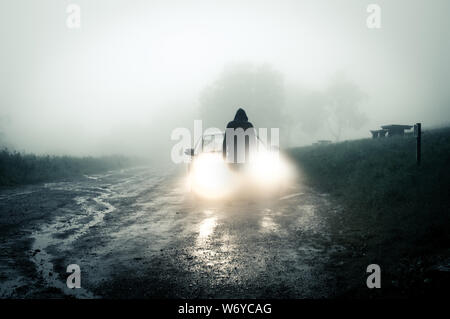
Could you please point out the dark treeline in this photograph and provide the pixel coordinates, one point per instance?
(18, 168)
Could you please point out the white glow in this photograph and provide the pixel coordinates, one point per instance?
(269, 168)
(210, 176)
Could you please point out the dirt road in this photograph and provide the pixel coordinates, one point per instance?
(138, 233)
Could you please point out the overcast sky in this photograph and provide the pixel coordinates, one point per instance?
(134, 70)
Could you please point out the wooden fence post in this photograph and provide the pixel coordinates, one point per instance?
(419, 142)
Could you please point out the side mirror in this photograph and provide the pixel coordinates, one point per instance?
(189, 151)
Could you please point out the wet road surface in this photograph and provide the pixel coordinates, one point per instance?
(138, 234)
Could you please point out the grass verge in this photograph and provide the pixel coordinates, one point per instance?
(394, 213)
(18, 168)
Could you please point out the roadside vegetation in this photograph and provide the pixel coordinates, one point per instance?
(18, 168)
(392, 212)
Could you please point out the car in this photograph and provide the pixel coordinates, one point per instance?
(210, 176)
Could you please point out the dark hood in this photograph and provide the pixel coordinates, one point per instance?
(241, 116)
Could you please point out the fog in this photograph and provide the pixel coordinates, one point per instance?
(136, 70)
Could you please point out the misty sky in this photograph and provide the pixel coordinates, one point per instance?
(135, 69)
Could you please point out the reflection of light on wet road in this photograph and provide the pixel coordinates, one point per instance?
(207, 227)
(268, 224)
(307, 219)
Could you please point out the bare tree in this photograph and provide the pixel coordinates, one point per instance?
(2, 135)
(344, 98)
(305, 109)
(256, 88)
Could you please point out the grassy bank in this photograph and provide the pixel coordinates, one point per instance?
(18, 168)
(393, 212)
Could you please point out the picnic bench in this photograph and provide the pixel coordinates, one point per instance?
(399, 130)
(390, 130)
(395, 129)
(378, 133)
(323, 142)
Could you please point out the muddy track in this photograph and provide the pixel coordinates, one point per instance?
(135, 233)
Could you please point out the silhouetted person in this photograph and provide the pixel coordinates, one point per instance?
(238, 132)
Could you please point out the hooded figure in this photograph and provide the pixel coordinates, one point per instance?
(238, 132)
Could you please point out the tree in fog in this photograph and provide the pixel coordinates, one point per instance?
(2, 135)
(305, 111)
(342, 108)
(334, 108)
(258, 89)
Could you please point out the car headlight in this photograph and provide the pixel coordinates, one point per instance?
(210, 176)
(269, 168)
